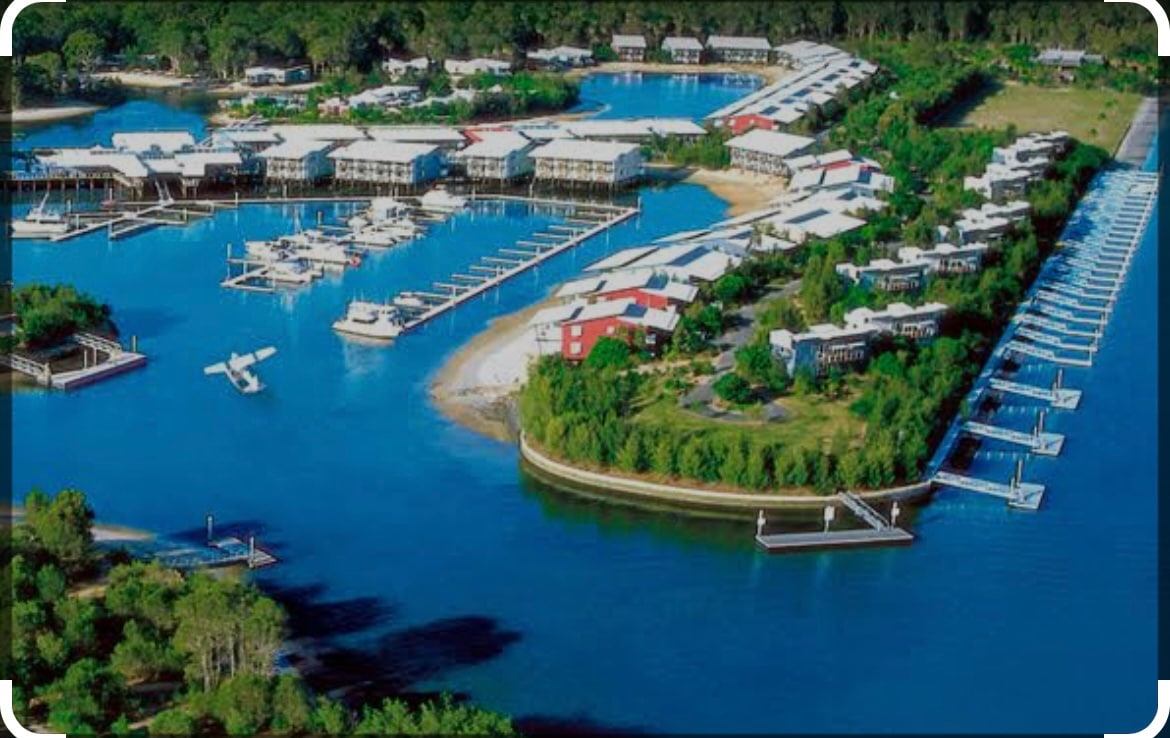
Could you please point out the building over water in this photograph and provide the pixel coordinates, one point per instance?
(631, 48)
(588, 162)
(899, 319)
(497, 156)
(683, 49)
(739, 49)
(387, 162)
(298, 160)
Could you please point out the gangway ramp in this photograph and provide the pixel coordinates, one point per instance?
(1065, 399)
(859, 507)
(1023, 495)
(1042, 443)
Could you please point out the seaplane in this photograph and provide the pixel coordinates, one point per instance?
(236, 369)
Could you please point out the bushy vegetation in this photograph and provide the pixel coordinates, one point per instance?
(46, 315)
(100, 643)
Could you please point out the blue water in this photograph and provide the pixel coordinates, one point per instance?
(683, 95)
(537, 603)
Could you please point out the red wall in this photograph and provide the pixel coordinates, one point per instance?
(591, 332)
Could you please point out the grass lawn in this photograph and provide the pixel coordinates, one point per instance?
(811, 421)
(1075, 110)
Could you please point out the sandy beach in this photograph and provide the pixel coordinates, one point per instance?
(476, 383)
(44, 115)
(744, 191)
(101, 531)
(145, 80)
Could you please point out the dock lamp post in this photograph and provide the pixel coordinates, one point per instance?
(830, 513)
(895, 511)
(760, 521)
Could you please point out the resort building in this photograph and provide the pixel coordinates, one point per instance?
(497, 156)
(546, 326)
(298, 160)
(154, 143)
(862, 177)
(767, 151)
(386, 162)
(559, 57)
(783, 103)
(446, 138)
(899, 319)
(885, 275)
(945, 258)
(688, 262)
(628, 47)
(821, 348)
(399, 67)
(990, 222)
(621, 319)
(801, 54)
(387, 96)
(635, 129)
(460, 67)
(590, 162)
(262, 76)
(1014, 167)
(999, 181)
(683, 49)
(1067, 58)
(739, 49)
(647, 287)
(248, 141)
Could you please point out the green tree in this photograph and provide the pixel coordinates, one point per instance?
(291, 709)
(733, 388)
(609, 353)
(61, 527)
(176, 721)
(82, 49)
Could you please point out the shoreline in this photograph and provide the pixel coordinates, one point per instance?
(49, 114)
(476, 383)
(743, 191)
(102, 532)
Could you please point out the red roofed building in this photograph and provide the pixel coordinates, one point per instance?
(620, 319)
(743, 123)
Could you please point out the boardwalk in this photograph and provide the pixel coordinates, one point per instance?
(588, 220)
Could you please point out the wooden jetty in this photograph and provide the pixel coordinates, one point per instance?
(493, 271)
(117, 361)
(881, 532)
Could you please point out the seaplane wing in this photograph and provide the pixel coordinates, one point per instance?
(219, 368)
(243, 362)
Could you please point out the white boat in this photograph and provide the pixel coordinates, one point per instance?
(326, 253)
(40, 222)
(409, 300)
(371, 237)
(370, 320)
(291, 270)
(441, 200)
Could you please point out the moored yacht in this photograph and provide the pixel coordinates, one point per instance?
(370, 320)
(440, 199)
(40, 222)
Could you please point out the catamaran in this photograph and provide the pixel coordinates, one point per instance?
(40, 222)
(370, 320)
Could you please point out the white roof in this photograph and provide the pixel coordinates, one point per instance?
(168, 141)
(620, 259)
(770, 142)
(419, 134)
(496, 145)
(195, 163)
(557, 313)
(753, 43)
(628, 311)
(862, 316)
(628, 41)
(97, 158)
(297, 148)
(320, 132)
(565, 148)
(681, 43)
(383, 151)
(247, 135)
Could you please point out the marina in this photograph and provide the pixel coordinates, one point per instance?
(1059, 324)
(588, 220)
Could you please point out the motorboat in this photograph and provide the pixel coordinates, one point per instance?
(40, 222)
(291, 269)
(409, 300)
(370, 320)
(440, 199)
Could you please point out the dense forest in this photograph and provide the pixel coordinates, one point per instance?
(47, 315)
(105, 645)
(223, 37)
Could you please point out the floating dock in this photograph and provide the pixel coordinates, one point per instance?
(587, 219)
(881, 532)
(118, 361)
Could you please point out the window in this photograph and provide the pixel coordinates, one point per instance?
(609, 330)
(575, 331)
(575, 348)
